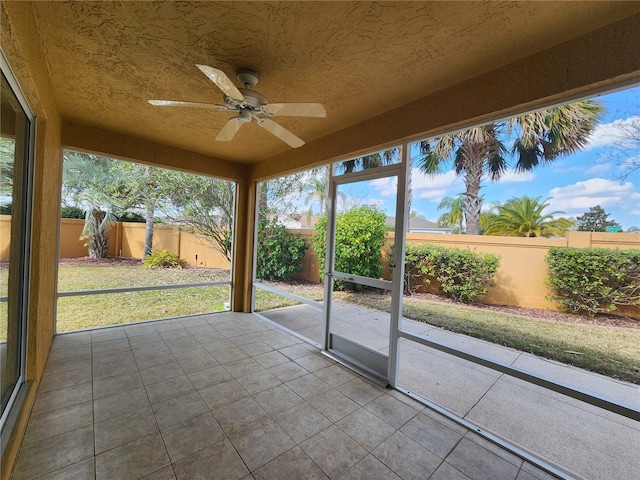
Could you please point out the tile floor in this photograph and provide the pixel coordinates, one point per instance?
(228, 396)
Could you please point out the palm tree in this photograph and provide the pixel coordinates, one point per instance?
(525, 217)
(92, 183)
(378, 159)
(541, 137)
(454, 217)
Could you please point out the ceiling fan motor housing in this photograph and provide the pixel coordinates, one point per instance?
(252, 100)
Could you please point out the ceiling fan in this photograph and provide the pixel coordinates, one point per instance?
(249, 104)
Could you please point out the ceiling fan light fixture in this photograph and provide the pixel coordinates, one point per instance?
(247, 77)
(245, 116)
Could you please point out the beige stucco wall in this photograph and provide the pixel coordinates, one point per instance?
(520, 279)
(23, 50)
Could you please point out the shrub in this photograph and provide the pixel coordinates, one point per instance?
(360, 235)
(463, 275)
(163, 259)
(593, 280)
(72, 212)
(132, 217)
(279, 251)
(5, 209)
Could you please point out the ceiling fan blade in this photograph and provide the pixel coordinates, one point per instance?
(229, 130)
(222, 81)
(176, 103)
(282, 133)
(295, 109)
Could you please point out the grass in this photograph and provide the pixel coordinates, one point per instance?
(611, 351)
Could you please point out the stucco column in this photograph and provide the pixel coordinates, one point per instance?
(242, 274)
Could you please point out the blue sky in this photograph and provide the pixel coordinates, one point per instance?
(574, 183)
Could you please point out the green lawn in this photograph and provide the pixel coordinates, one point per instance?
(611, 351)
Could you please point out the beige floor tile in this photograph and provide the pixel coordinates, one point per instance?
(236, 416)
(120, 403)
(447, 472)
(333, 451)
(197, 363)
(117, 384)
(302, 421)
(132, 460)
(62, 398)
(258, 381)
(288, 371)
(277, 399)
(54, 453)
(431, 434)
(334, 405)
(293, 464)
(56, 381)
(261, 442)
(209, 377)
(308, 386)
(165, 473)
(361, 391)
(192, 436)
(83, 470)
(217, 462)
(167, 389)
(53, 423)
(125, 428)
(160, 373)
(369, 468)
(179, 409)
(270, 359)
(391, 410)
(223, 394)
(406, 458)
(365, 428)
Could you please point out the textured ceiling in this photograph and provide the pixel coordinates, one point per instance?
(359, 59)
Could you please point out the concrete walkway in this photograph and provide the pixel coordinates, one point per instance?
(584, 440)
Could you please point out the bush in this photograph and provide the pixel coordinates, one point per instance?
(5, 209)
(163, 259)
(463, 275)
(132, 217)
(72, 212)
(360, 235)
(279, 251)
(593, 280)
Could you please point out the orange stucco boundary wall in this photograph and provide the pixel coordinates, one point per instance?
(520, 280)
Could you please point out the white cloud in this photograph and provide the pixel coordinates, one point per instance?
(577, 198)
(598, 169)
(387, 186)
(511, 176)
(435, 187)
(614, 133)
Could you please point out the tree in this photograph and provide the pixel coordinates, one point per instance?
(540, 137)
(454, 216)
(93, 184)
(203, 204)
(525, 217)
(625, 148)
(595, 220)
(143, 191)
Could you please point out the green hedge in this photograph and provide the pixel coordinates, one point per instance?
(463, 275)
(593, 280)
(360, 235)
(280, 252)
